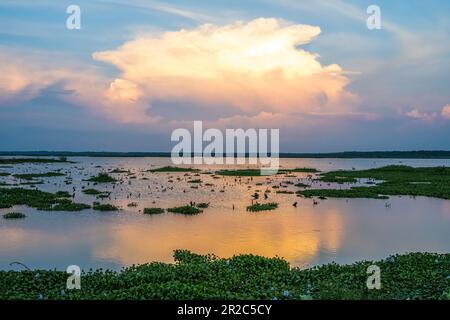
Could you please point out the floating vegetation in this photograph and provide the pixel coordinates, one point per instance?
(31, 176)
(202, 205)
(240, 172)
(195, 181)
(37, 199)
(305, 170)
(187, 210)
(102, 177)
(285, 192)
(153, 210)
(396, 180)
(257, 172)
(262, 207)
(4, 174)
(32, 160)
(14, 215)
(104, 207)
(173, 169)
(414, 276)
(95, 192)
(132, 205)
(302, 185)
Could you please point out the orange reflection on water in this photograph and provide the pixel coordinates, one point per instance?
(294, 234)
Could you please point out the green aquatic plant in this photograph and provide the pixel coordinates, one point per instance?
(102, 177)
(414, 276)
(257, 172)
(202, 205)
(173, 169)
(14, 215)
(195, 181)
(67, 205)
(4, 174)
(262, 207)
(35, 198)
(302, 185)
(394, 180)
(153, 210)
(31, 176)
(104, 207)
(285, 192)
(187, 210)
(95, 192)
(4, 161)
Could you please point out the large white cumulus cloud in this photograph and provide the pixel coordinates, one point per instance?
(255, 67)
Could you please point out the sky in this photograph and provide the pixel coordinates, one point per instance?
(136, 70)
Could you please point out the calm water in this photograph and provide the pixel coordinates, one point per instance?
(334, 230)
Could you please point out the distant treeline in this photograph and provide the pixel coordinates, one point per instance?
(344, 155)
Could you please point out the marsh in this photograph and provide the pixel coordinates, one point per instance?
(314, 232)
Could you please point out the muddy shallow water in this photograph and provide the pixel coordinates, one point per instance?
(338, 230)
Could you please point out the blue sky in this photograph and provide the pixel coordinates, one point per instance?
(117, 85)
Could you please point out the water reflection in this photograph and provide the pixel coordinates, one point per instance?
(334, 230)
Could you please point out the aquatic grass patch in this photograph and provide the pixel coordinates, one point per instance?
(37, 199)
(285, 192)
(195, 181)
(14, 215)
(4, 174)
(202, 205)
(31, 176)
(414, 276)
(67, 205)
(102, 177)
(394, 180)
(104, 207)
(187, 210)
(95, 192)
(302, 185)
(4, 161)
(173, 169)
(262, 207)
(153, 210)
(257, 172)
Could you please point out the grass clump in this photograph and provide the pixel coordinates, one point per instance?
(4, 161)
(173, 169)
(187, 210)
(102, 177)
(14, 215)
(104, 207)
(153, 210)
(95, 192)
(31, 176)
(262, 207)
(37, 199)
(414, 276)
(394, 180)
(203, 205)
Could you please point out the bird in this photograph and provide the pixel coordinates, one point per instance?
(295, 204)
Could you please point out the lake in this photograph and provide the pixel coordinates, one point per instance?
(340, 230)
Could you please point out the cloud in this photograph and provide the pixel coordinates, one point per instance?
(416, 114)
(445, 112)
(253, 67)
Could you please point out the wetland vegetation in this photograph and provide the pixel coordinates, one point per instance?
(393, 180)
(405, 277)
